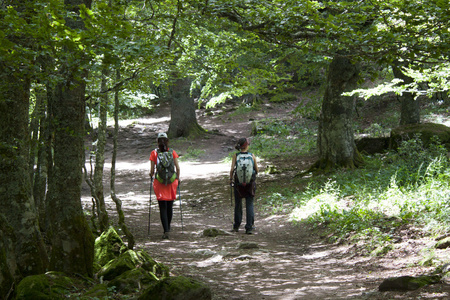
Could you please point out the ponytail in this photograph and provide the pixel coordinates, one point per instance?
(241, 144)
(163, 144)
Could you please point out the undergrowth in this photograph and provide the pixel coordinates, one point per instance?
(288, 137)
(409, 187)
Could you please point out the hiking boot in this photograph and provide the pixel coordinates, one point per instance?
(249, 231)
(235, 229)
(165, 236)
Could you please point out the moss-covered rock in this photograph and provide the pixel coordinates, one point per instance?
(108, 246)
(52, 285)
(213, 232)
(97, 291)
(132, 281)
(408, 283)
(371, 145)
(177, 288)
(130, 260)
(426, 131)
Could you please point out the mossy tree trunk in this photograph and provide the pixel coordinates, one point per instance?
(39, 171)
(72, 240)
(9, 272)
(183, 120)
(410, 107)
(99, 196)
(114, 197)
(336, 137)
(17, 209)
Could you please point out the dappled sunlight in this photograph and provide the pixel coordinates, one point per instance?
(279, 261)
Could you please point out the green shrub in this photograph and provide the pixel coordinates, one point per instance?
(283, 97)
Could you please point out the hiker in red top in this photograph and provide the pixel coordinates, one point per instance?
(242, 176)
(164, 165)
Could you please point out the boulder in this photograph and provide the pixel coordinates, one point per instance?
(130, 260)
(213, 232)
(177, 288)
(371, 146)
(425, 130)
(408, 283)
(108, 246)
(248, 245)
(51, 285)
(98, 291)
(132, 281)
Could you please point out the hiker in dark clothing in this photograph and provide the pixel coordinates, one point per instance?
(165, 186)
(243, 173)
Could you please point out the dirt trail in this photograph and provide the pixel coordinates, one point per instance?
(279, 261)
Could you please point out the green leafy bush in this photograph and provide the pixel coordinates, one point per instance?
(410, 186)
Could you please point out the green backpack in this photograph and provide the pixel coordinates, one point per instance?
(165, 167)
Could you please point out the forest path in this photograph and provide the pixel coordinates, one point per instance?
(279, 261)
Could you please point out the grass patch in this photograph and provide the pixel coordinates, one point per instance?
(283, 137)
(192, 154)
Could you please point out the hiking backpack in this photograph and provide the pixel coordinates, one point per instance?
(165, 167)
(244, 168)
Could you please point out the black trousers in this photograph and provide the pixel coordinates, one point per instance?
(166, 213)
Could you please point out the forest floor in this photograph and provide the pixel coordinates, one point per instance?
(280, 260)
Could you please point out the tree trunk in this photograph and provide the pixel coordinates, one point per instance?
(40, 156)
(336, 141)
(183, 120)
(72, 240)
(16, 200)
(22, 250)
(116, 199)
(410, 108)
(100, 158)
(9, 273)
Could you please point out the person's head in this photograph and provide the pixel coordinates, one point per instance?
(163, 141)
(242, 144)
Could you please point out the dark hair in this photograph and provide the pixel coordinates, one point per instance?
(241, 144)
(163, 144)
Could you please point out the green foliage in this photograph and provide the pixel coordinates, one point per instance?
(283, 97)
(282, 137)
(309, 110)
(368, 205)
(415, 163)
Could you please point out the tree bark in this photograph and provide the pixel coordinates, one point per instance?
(116, 199)
(9, 272)
(336, 137)
(410, 108)
(72, 240)
(16, 200)
(183, 120)
(39, 155)
(99, 195)
(22, 250)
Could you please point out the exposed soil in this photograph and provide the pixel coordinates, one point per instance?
(279, 261)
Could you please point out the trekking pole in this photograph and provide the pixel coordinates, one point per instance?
(231, 193)
(150, 205)
(181, 210)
